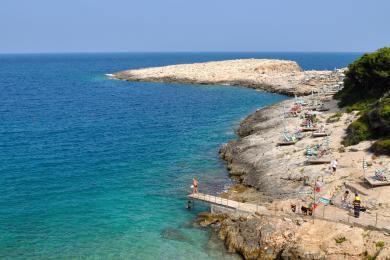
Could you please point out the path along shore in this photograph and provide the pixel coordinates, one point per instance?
(279, 176)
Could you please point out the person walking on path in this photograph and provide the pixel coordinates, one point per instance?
(333, 164)
(356, 206)
(194, 185)
(344, 199)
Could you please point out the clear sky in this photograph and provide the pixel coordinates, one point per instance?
(198, 25)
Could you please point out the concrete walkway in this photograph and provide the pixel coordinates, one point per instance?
(328, 213)
(240, 206)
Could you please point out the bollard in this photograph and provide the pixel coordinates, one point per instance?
(323, 212)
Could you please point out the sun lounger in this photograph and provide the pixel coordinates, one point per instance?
(287, 143)
(326, 98)
(308, 124)
(375, 182)
(322, 108)
(298, 134)
(307, 129)
(318, 160)
(380, 174)
(320, 134)
(287, 139)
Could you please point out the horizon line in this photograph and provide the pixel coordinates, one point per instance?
(168, 52)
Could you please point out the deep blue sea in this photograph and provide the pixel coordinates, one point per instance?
(97, 168)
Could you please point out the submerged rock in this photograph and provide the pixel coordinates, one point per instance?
(174, 234)
(205, 219)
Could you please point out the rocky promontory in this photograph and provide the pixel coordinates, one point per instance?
(277, 76)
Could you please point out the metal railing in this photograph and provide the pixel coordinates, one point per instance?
(369, 220)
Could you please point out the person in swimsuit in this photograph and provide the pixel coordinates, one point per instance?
(195, 184)
(345, 200)
(334, 166)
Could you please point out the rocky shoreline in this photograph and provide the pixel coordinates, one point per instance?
(278, 176)
(274, 176)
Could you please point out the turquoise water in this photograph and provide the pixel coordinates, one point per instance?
(99, 168)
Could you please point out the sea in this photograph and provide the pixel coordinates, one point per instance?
(96, 168)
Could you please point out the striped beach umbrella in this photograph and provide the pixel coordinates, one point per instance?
(365, 166)
(327, 141)
(308, 152)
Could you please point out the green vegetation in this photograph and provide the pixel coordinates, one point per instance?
(335, 117)
(357, 131)
(367, 77)
(367, 256)
(381, 147)
(340, 240)
(367, 90)
(361, 106)
(374, 123)
(380, 244)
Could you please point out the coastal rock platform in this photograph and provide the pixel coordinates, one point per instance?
(277, 76)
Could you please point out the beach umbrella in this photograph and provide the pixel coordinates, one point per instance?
(314, 113)
(365, 166)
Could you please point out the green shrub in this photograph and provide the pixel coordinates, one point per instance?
(380, 244)
(335, 117)
(384, 111)
(367, 77)
(367, 90)
(361, 106)
(340, 240)
(357, 131)
(381, 147)
(379, 118)
(367, 256)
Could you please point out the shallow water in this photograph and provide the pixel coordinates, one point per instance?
(99, 168)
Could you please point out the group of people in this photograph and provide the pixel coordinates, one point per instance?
(356, 203)
(194, 188)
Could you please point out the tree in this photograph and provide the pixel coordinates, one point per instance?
(366, 78)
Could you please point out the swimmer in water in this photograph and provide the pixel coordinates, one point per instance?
(189, 205)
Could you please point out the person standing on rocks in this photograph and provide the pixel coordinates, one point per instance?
(333, 164)
(344, 199)
(356, 206)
